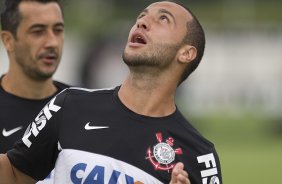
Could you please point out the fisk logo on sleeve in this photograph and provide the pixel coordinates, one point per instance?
(40, 122)
(211, 170)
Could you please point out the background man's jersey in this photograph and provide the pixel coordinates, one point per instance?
(92, 137)
(16, 114)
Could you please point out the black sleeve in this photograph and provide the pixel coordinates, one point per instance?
(210, 167)
(36, 153)
(218, 165)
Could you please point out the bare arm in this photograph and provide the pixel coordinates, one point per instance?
(9, 174)
(179, 175)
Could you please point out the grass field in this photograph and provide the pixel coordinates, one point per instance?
(249, 151)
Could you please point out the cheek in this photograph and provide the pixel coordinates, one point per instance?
(61, 40)
(34, 48)
(21, 48)
(27, 51)
(164, 36)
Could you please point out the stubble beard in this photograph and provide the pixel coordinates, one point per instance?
(33, 72)
(158, 56)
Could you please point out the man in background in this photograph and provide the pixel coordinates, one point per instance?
(33, 35)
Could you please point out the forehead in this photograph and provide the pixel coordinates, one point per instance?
(179, 12)
(34, 12)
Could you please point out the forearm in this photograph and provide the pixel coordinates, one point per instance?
(10, 174)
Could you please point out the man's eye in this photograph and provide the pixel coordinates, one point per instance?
(165, 18)
(37, 32)
(59, 30)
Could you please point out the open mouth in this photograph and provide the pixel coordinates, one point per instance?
(138, 38)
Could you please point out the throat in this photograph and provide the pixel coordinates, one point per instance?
(147, 101)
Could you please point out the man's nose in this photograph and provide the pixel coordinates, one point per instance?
(143, 23)
(52, 40)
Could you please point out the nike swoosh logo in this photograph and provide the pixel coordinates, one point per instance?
(89, 127)
(10, 132)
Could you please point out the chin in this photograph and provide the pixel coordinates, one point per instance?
(45, 74)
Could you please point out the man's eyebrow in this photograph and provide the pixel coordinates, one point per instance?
(34, 26)
(60, 24)
(161, 11)
(167, 12)
(144, 11)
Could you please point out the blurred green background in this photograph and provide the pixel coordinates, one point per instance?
(233, 98)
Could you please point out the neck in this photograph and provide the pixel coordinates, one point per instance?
(147, 96)
(27, 88)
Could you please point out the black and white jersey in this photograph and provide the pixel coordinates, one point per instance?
(91, 137)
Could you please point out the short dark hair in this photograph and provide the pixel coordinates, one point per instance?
(195, 36)
(11, 17)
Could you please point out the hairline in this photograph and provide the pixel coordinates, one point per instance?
(18, 16)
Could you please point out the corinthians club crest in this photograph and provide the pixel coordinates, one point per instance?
(163, 154)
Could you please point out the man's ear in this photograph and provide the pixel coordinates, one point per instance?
(187, 54)
(8, 40)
